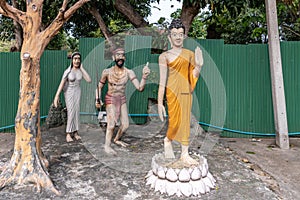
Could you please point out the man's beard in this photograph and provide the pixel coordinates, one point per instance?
(120, 64)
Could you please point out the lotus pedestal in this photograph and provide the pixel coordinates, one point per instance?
(176, 178)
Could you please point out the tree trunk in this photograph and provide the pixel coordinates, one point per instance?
(188, 13)
(28, 164)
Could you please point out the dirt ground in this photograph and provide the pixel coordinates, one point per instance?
(81, 169)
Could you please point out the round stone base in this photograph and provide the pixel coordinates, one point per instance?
(176, 178)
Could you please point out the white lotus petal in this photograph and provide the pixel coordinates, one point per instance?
(154, 167)
(150, 173)
(177, 171)
(171, 175)
(160, 186)
(178, 193)
(184, 175)
(165, 169)
(195, 186)
(186, 189)
(203, 171)
(151, 180)
(161, 173)
(208, 182)
(171, 188)
(201, 187)
(196, 174)
(210, 176)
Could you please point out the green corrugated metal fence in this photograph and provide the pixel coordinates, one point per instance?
(234, 90)
(53, 63)
(246, 76)
(291, 71)
(10, 66)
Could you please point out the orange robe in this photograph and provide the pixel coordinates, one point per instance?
(180, 85)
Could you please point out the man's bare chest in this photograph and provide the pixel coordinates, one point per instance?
(118, 78)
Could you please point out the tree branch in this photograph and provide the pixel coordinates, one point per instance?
(11, 12)
(93, 10)
(18, 31)
(128, 11)
(62, 17)
(62, 9)
(289, 29)
(74, 8)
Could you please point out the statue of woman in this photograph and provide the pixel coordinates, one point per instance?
(70, 84)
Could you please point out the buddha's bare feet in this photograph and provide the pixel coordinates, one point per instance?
(109, 150)
(123, 144)
(187, 159)
(69, 138)
(169, 153)
(76, 136)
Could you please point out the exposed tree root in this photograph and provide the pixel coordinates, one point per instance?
(29, 173)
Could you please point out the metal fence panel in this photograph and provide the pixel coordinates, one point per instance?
(233, 92)
(10, 66)
(248, 89)
(53, 63)
(291, 71)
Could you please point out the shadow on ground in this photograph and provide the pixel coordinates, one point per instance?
(81, 170)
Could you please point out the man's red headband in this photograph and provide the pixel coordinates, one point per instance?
(118, 49)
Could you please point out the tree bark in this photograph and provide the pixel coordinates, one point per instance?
(107, 34)
(18, 32)
(188, 13)
(133, 17)
(28, 164)
(127, 10)
(18, 37)
(93, 10)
